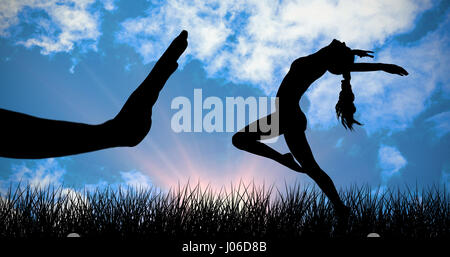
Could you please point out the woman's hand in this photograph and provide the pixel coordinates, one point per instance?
(394, 69)
(362, 53)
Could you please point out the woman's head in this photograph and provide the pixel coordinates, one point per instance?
(339, 61)
(339, 57)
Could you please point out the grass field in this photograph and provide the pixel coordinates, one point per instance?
(244, 211)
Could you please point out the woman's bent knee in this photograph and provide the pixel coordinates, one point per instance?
(239, 140)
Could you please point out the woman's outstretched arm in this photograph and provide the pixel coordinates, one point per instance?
(390, 68)
(25, 136)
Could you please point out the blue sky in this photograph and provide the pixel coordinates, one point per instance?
(80, 60)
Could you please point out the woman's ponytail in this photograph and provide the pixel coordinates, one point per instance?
(345, 107)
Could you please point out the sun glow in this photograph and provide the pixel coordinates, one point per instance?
(187, 166)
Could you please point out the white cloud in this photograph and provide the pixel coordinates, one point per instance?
(109, 5)
(49, 172)
(73, 196)
(64, 25)
(390, 160)
(74, 63)
(323, 96)
(133, 179)
(8, 15)
(41, 174)
(205, 22)
(441, 123)
(136, 179)
(255, 41)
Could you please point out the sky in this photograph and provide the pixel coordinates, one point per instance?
(79, 60)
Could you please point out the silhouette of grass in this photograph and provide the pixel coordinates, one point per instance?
(244, 211)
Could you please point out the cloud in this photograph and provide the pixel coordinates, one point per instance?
(109, 5)
(74, 63)
(136, 179)
(390, 160)
(59, 25)
(206, 23)
(441, 123)
(50, 173)
(41, 174)
(255, 41)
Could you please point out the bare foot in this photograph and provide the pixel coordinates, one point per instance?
(133, 122)
(342, 213)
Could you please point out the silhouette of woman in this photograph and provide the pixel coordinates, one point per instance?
(336, 58)
(25, 136)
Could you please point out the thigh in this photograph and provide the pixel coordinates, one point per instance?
(299, 147)
(264, 128)
(292, 118)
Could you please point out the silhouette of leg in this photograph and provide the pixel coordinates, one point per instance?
(25, 136)
(249, 141)
(133, 122)
(299, 147)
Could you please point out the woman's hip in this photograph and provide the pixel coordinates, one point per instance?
(292, 118)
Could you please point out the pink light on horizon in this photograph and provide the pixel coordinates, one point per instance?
(184, 167)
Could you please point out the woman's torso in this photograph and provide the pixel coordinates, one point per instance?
(303, 72)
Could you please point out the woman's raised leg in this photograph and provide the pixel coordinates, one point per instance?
(249, 141)
(25, 136)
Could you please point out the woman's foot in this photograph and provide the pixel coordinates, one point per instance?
(342, 212)
(133, 122)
